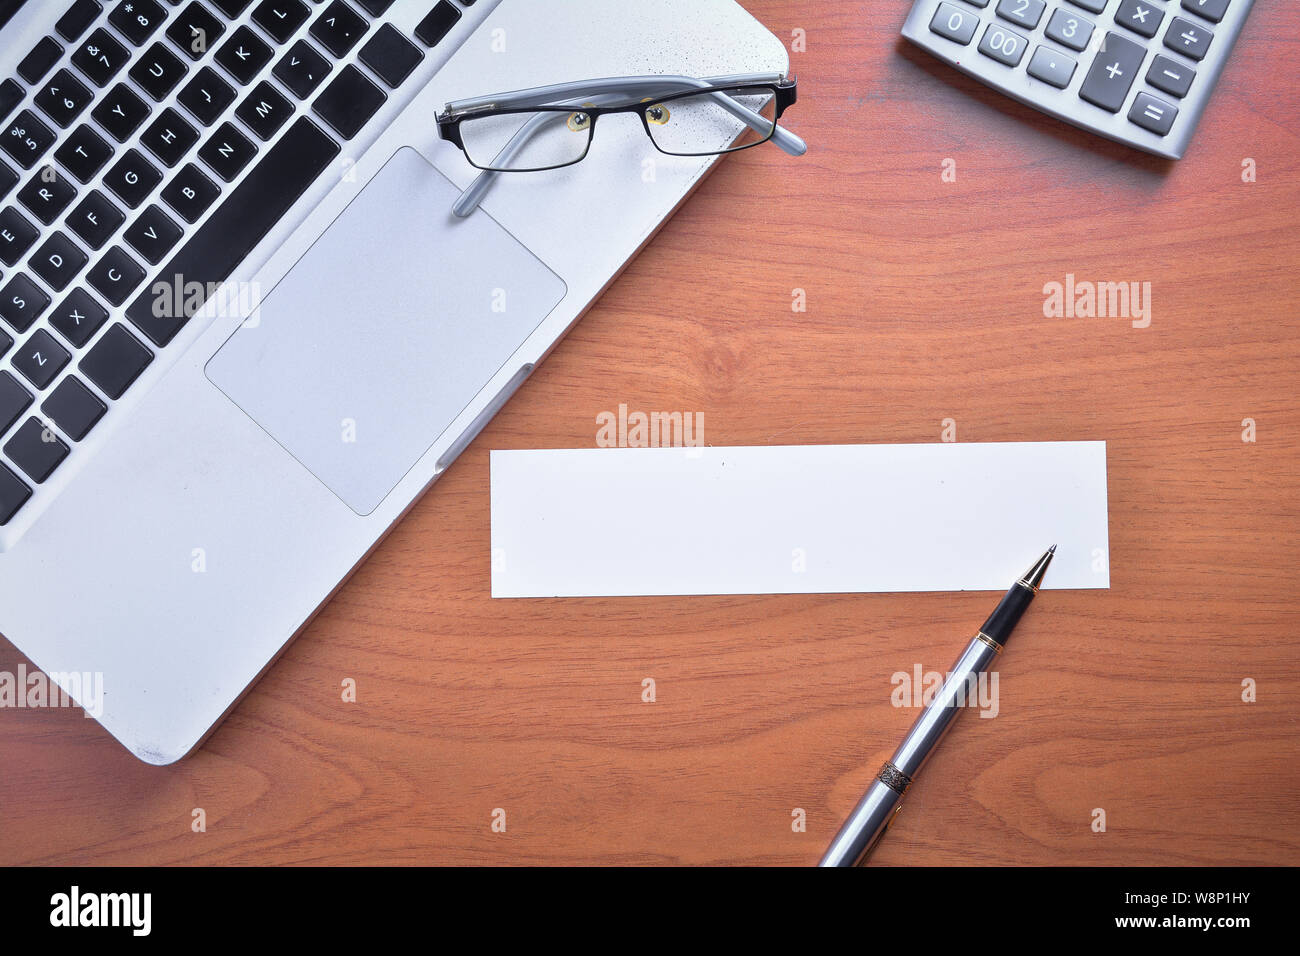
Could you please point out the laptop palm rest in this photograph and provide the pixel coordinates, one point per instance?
(384, 331)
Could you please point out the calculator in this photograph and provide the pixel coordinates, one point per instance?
(1137, 71)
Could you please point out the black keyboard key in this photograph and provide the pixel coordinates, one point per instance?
(95, 219)
(8, 180)
(16, 235)
(281, 18)
(349, 102)
(302, 69)
(132, 178)
(195, 30)
(438, 23)
(13, 495)
(36, 449)
(263, 197)
(74, 408)
(153, 235)
(376, 7)
(338, 28)
(115, 276)
(78, 317)
(47, 194)
(120, 112)
(115, 362)
(58, 261)
(228, 152)
(158, 70)
(84, 153)
(21, 302)
(100, 57)
(26, 139)
(243, 55)
(78, 19)
(11, 94)
(62, 98)
(169, 137)
(40, 60)
(190, 193)
(390, 55)
(264, 110)
(14, 399)
(206, 96)
(1113, 71)
(137, 19)
(6, 343)
(41, 359)
(231, 8)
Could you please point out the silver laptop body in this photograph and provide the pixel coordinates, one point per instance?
(268, 447)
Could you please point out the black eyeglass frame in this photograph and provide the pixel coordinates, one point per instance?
(784, 93)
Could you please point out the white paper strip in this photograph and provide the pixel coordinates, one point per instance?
(796, 519)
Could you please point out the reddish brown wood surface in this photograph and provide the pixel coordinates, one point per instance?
(925, 303)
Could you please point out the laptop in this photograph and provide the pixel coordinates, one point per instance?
(182, 497)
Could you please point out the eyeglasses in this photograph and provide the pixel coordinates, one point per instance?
(550, 127)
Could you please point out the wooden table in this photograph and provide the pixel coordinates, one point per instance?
(924, 303)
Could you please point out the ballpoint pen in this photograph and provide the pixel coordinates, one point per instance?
(881, 803)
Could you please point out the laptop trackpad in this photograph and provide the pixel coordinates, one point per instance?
(384, 331)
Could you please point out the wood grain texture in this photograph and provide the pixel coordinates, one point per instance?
(924, 303)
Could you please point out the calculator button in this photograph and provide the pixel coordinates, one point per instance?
(1113, 71)
(1052, 67)
(1027, 13)
(954, 23)
(1140, 16)
(1170, 77)
(1153, 114)
(1188, 39)
(1092, 6)
(1003, 45)
(1210, 9)
(1068, 30)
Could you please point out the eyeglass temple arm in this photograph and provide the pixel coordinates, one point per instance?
(545, 96)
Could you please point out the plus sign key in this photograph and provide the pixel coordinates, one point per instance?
(1113, 71)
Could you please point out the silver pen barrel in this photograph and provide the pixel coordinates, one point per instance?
(882, 801)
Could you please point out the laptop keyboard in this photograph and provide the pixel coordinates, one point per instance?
(85, 218)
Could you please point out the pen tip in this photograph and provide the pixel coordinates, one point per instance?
(1052, 550)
